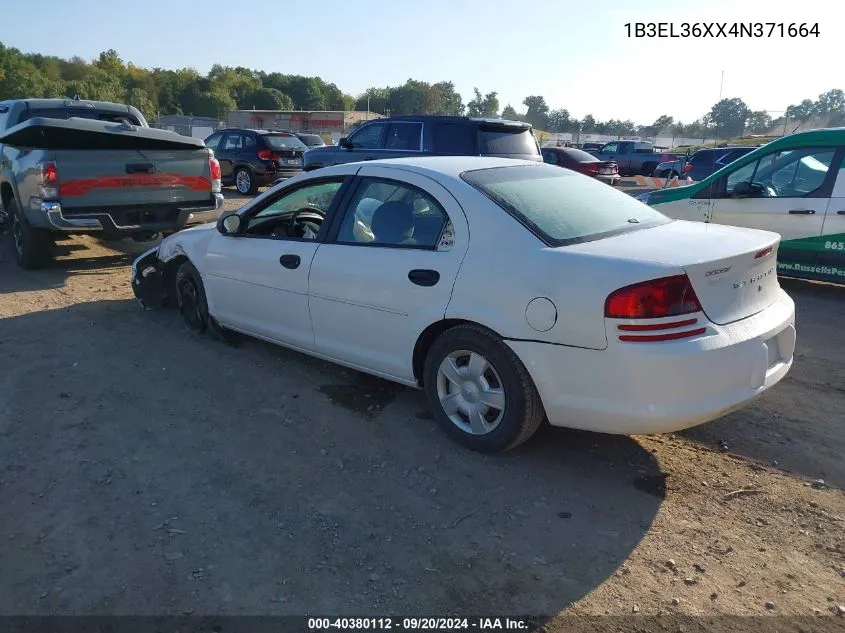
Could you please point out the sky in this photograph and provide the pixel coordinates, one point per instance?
(576, 54)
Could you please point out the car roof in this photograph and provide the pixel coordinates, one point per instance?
(452, 166)
(447, 118)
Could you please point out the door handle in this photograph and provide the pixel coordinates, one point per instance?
(802, 212)
(290, 261)
(423, 277)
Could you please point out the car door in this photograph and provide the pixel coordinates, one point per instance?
(227, 154)
(831, 255)
(386, 270)
(257, 279)
(785, 191)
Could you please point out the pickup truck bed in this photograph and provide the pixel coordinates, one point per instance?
(113, 179)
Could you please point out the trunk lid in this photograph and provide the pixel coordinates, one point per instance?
(732, 270)
(103, 178)
(102, 163)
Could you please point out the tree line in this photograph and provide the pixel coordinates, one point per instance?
(159, 91)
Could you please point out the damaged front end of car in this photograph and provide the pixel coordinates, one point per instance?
(148, 280)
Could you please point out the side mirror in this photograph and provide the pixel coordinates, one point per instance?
(229, 224)
(741, 190)
(344, 143)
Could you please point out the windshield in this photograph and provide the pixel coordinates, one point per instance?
(284, 141)
(560, 206)
(312, 140)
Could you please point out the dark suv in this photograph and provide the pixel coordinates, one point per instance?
(250, 159)
(405, 136)
(708, 161)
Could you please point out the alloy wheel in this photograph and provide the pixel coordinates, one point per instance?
(243, 182)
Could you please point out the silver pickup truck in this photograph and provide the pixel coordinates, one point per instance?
(69, 166)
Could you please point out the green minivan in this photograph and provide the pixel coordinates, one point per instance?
(794, 186)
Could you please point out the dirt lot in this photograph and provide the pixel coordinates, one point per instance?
(144, 471)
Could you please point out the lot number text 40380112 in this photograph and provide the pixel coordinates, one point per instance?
(722, 29)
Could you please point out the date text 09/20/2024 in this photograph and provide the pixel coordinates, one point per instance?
(419, 624)
(722, 29)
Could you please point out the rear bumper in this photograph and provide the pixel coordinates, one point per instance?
(610, 179)
(127, 221)
(641, 388)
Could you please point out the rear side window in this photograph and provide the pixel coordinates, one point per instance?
(404, 136)
(455, 139)
(495, 140)
(560, 206)
(700, 158)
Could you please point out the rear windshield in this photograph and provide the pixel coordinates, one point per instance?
(284, 141)
(560, 206)
(79, 113)
(580, 156)
(500, 140)
(312, 140)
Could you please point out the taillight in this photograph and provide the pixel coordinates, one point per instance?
(592, 168)
(764, 253)
(214, 168)
(49, 181)
(655, 299)
(687, 169)
(266, 154)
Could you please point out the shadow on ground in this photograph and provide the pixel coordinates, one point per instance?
(777, 430)
(73, 256)
(149, 472)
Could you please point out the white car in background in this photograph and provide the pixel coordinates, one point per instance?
(510, 291)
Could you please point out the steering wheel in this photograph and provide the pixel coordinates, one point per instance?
(313, 225)
(770, 189)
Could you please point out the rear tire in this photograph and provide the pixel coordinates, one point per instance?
(245, 182)
(33, 248)
(479, 391)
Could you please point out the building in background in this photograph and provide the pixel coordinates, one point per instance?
(196, 126)
(334, 123)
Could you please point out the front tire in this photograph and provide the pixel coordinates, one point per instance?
(33, 248)
(245, 182)
(479, 391)
(190, 298)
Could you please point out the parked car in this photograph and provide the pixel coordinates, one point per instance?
(250, 159)
(582, 162)
(408, 136)
(794, 186)
(702, 163)
(633, 157)
(591, 147)
(311, 140)
(510, 291)
(72, 166)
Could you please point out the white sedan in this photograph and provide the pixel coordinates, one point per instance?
(511, 292)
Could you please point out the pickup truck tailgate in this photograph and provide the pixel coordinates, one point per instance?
(103, 178)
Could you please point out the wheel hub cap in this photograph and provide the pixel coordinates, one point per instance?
(471, 392)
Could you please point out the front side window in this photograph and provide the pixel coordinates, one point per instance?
(404, 136)
(389, 213)
(368, 137)
(296, 214)
(610, 148)
(785, 174)
(560, 206)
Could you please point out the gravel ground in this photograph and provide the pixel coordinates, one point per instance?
(145, 471)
